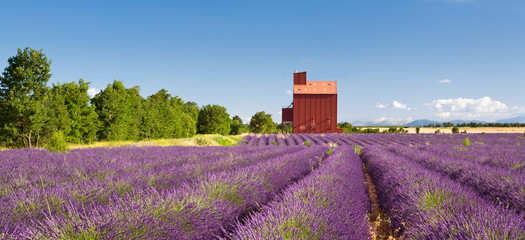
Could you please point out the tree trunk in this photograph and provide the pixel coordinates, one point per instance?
(29, 138)
(37, 137)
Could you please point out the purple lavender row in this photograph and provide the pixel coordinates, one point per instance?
(493, 183)
(280, 140)
(507, 157)
(330, 203)
(198, 211)
(423, 204)
(396, 139)
(36, 182)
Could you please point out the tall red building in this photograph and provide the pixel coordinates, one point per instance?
(314, 106)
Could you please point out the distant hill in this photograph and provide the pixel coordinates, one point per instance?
(520, 119)
(467, 121)
(424, 122)
(419, 123)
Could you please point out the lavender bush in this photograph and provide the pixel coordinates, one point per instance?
(425, 205)
(330, 203)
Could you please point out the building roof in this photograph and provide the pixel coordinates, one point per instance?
(316, 87)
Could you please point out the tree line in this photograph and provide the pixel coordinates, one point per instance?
(475, 124)
(33, 114)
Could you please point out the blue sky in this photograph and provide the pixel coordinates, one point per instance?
(393, 60)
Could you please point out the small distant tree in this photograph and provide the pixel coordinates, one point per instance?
(213, 119)
(237, 126)
(285, 127)
(455, 129)
(417, 129)
(262, 123)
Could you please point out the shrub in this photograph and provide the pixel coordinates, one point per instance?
(357, 149)
(466, 142)
(203, 142)
(417, 129)
(307, 143)
(455, 129)
(437, 131)
(57, 142)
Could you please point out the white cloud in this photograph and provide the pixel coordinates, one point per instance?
(444, 114)
(379, 105)
(469, 108)
(398, 105)
(445, 81)
(480, 105)
(93, 91)
(289, 92)
(395, 105)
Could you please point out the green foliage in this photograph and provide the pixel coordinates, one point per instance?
(395, 130)
(466, 142)
(164, 116)
(483, 133)
(237, 126)
(285, 127)
(518, 144)
(57, 142)
(357, 149)
(223, 142)
(274, 142)
(437, 131)
(23, 98)
(119, 111)
(418, 129)
(203, 142)
(213, 119)
(455, 129)
(431, 201)
(72, 113)
(262, 123)
(307, 143)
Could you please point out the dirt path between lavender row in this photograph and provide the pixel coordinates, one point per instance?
(379, 223)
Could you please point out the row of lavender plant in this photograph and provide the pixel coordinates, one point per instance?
(493, 183)
(330, 203)
(34, 182)
(58, 204)
(381, 139)
(423, 204)
(502, 156)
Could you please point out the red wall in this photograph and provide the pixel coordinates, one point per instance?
(315, 113)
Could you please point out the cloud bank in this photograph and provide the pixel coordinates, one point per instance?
(469, 108)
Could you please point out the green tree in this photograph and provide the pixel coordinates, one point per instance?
(262, 123)
(213, 119)
(347, 127)
(237, 126)
(455, 129)
(164, 117)
(23, 98)
(71, 112)
(119, 110)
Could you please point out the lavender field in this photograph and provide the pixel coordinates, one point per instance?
(302, 186)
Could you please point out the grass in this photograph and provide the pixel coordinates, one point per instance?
(197, 140)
